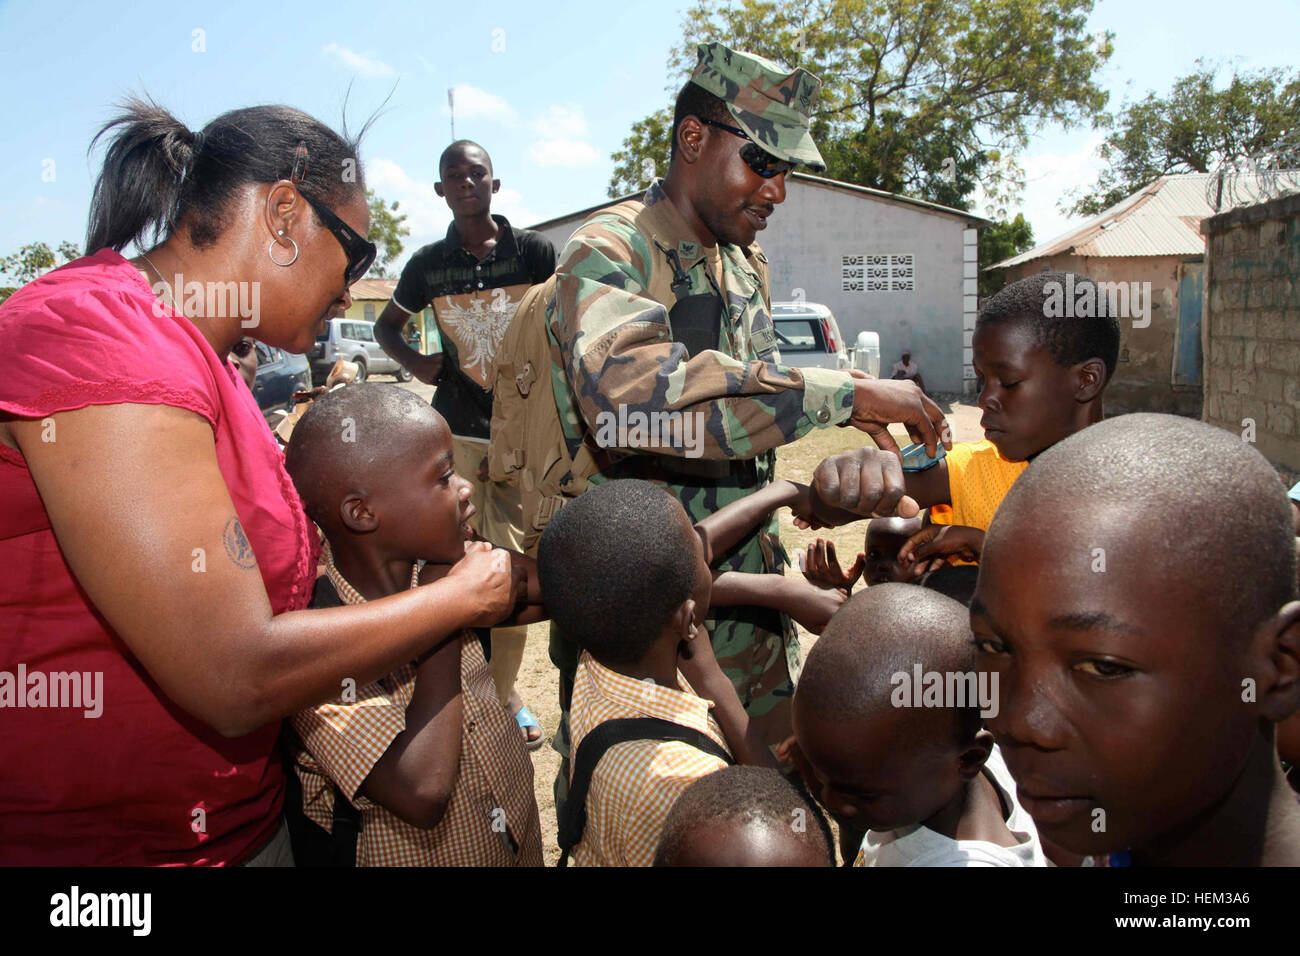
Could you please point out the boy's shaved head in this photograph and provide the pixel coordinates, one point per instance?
(1069, 338)
(615, 564)
(744, 816)
(883, 630)
(1201, 501)
(351, 438)
(893, 524)
(883, 756)
(1134, 601)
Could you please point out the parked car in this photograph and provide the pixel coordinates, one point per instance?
(279, 375)
(352, 340)
(808, 335)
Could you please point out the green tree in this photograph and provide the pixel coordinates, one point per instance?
(644, 154)
(1196, 128)
(924, 97)
(386, 230)
(33, 260)
(1002, 240)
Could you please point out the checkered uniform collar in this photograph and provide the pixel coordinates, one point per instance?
(680, 705)
(346, 592)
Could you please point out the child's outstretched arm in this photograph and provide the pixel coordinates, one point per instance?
(415, 777)
(699, 666)
(808, 604)
(726, 527)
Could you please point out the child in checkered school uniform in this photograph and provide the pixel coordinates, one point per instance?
(626, 577)
(428, 755)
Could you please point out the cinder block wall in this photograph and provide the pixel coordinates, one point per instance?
(1251, 332)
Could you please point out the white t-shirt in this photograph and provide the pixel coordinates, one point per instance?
(908, 370)
(920, 846)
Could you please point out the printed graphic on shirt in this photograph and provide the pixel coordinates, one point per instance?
(476, 322)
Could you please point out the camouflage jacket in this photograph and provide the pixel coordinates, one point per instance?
(609, 329)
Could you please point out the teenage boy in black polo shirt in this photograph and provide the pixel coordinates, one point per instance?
(473, 279)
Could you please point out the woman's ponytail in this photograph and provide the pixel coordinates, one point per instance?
(137, 190)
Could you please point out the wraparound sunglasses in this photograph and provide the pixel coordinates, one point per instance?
(360, 251)
(756, 157)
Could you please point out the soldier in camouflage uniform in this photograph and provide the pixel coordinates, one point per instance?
(663, 305)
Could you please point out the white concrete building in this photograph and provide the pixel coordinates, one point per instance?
(901, 267)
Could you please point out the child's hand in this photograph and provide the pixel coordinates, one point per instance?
(801, 509)
(822, 568)
(789, 752)
(490, 578)
(939, 541)
(813, 605)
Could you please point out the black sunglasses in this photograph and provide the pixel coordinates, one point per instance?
(361, 252)
(242, 348)
(756, 157)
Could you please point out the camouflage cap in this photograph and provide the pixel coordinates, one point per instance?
(769, 103)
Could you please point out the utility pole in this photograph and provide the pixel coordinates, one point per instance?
(451, 105)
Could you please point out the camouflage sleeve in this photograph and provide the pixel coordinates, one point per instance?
(617, 353)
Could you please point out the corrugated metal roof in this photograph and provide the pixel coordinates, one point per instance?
(373, 289)
(1163, 219)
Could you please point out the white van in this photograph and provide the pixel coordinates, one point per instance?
(352, 340)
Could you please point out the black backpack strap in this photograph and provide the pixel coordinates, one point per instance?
(573, 820)
(312, 846)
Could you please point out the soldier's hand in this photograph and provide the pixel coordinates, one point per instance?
(878, 403)
(866, 482)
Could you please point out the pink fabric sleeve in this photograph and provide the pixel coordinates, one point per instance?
(95, 340)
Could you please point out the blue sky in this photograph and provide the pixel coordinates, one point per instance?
(554, 98)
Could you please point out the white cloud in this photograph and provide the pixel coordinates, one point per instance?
(510, 203)
(475, 103)
(562, 152)
(561, 121)
(356, 62)
(427, 215)
(1049, 177)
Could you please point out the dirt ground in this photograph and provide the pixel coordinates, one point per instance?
(538, 680)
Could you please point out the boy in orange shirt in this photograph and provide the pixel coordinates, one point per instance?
(1042, 377)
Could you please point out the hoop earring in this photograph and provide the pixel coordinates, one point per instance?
(270, 251)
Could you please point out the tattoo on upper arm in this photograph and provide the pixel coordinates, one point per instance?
(237, 546)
